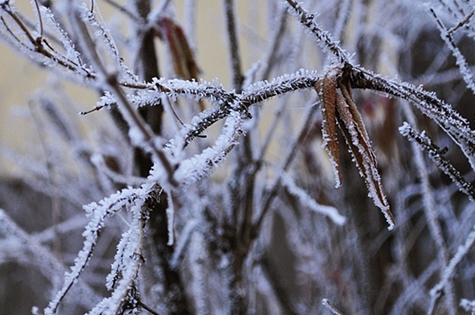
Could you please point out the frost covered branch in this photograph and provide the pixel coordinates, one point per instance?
(446, 35)
(36, 46)
(448, 272)
(330, 307)
(40, 256)
(436, 154)
(132, 200)
(324, 38)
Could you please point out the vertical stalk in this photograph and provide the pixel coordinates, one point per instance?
(431, 214)
(242, 188)
(230, 15)
(242, 193)
(146, 66)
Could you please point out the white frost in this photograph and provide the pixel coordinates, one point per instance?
(309, 202)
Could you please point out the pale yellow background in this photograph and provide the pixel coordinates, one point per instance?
(19, 79)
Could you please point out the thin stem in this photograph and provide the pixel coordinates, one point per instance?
(309, 21)
(40, 44)
(148, 309)
(430, 210)
(461, 23)
(124, 10)
(40, 21)
(129, 113)
(344, 9)
(462, 63)
(277, 40)
(55, 199)
(234, 52)
(330, 307)
(272, 194)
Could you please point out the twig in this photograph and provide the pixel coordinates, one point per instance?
(309, 21)
(332, 308)
(148, 309)
(277, 41)
(431, 215)
(344, 10)
(39, 44)
(55, 200)
(272, 192)
(49, 265)
(461, 23)
(233, 44)
(40, 21)
(436, 155)
(449, 270)
(135, 121)
(124, 10)
(447, 37)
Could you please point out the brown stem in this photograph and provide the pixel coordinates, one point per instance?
(233, 45)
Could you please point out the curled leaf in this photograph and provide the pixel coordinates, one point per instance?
(327, 91)
(339, 109)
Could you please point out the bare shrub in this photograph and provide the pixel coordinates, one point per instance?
(204, 198)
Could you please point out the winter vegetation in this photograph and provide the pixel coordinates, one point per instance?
(329, 173)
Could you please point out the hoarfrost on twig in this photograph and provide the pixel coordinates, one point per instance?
(436, 155)
(468, 305)
(329, 306)
(309, 202)
(448, 272)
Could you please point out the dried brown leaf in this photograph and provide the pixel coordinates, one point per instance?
(327, 91)
(363, 156)
(352, 126)
(345, 89)
(339, 109)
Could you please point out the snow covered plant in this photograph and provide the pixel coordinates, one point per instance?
(204, 198)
